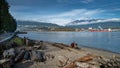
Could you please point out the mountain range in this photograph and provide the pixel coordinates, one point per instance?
(95, 23)
(40, 24)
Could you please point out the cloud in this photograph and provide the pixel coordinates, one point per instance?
(117, 9)
(61, 18)
(60, 21)
(87, 1)
(19, 8)
(75, 2)
(68, 1)
(108, 20)
(91, 21)
(68, 13)
(66, 17)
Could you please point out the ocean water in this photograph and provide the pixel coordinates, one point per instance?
(102, 40)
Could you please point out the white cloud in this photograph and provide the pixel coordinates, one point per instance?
(87, 1)
(66, 17)
(60, 18)
(66, 14)
(117, 9)
(73, 1)
(97, 21)
(108, 20)
(60, 21)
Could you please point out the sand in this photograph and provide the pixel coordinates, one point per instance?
(60, 52)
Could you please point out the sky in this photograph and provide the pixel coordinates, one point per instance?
(62, 12)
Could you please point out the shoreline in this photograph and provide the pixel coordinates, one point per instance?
(87, 48)
(96, 51)
(91, 50)
(100, 52)
(83, 46)
(99, 49)
(58, 55)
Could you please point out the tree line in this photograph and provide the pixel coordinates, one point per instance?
(7, 22)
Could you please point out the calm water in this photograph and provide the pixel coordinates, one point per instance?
(104, 40)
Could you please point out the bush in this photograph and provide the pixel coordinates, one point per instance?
(18, 41)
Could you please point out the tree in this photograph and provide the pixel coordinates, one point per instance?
(7, 22)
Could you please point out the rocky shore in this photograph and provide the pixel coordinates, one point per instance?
(44, 54)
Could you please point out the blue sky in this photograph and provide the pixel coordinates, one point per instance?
(64, 11)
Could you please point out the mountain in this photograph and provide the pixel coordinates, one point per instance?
(104, 23)
(80, 21)
(40, 24)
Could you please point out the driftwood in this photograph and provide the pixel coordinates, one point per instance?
(49, 56)
(20, 55)
(63, 60)
(61, 46)
(83, 59)
(5, 63)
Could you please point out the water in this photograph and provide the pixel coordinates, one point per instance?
(103, 40)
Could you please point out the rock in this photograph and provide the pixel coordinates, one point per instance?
(82, 65)
(85, 65)
(38, 56)
(109, 63)
(8, 53)
(27, 55)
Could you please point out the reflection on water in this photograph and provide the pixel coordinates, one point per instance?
(104, 40)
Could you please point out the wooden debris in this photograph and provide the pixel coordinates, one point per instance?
(4, 60)
(85, 58)
(63, 60)
(5, 63)
(71, 65)
(79, 62)
(20, 55)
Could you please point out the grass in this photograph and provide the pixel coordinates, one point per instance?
(18, 41)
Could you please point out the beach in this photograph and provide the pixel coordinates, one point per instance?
(62, 52)
(60, 55)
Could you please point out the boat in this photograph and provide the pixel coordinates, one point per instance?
(100, 29)
(105, 30)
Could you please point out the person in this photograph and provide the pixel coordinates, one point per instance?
(26, 41)
(74, 45)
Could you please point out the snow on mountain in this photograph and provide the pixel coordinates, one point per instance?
(92, 21)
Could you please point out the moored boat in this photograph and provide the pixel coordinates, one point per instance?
(100, 29)
(105, 30)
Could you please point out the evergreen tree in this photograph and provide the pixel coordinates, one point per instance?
(7, 23)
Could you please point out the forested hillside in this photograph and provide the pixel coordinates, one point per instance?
(7, 22)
